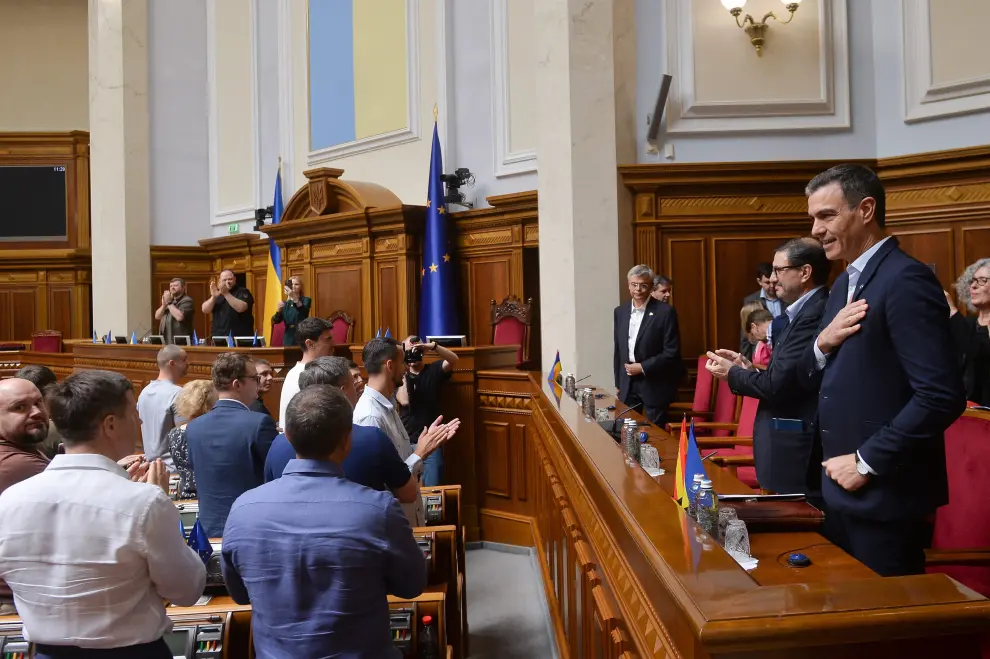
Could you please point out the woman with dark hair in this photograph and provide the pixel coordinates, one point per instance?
(972, 333)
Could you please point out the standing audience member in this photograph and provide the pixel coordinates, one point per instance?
(889, 377)
(315, 554)
(765, 297)
(43, 378)
(23, 429)
(89, 580)
(156, 404)
(357, 377)
(971, 334)
(229, 444)
(757, 324)
(175, 316)
(647, 349)
(231, 307)
(385, 362)
(748, 344)
(373, 460)
(788, 456)
(314, 337)
(662, 287)
(266, 376)
(293, 310)
(196, 399)
(419, 397)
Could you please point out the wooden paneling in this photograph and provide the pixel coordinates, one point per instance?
(487, 280)
(973, 244)
(338, 287)
(60, 309)
(933, 246)
(688, 268)
(495, 437)
(387, 285)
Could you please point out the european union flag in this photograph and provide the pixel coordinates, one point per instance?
(198, 541)
(437, 316)
(195, 339)
(230, 339)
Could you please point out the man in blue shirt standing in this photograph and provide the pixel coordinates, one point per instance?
(315, 554)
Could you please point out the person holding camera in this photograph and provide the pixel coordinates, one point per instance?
(293, 310)
(419, 397)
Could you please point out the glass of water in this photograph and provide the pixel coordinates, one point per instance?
(737, 538)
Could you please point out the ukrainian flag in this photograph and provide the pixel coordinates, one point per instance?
(273, 279)
(555, 371)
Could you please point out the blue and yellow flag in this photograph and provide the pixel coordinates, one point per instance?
(200, 542)
(273, 278)
(437, 314)
(554, 376)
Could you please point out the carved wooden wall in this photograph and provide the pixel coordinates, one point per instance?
(708, 225)
(46, 285)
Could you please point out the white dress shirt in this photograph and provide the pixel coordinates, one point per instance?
(855, 270)
(635, 320)
(374, 409)
(90, 555)
(290, 387)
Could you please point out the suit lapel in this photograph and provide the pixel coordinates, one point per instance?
(813, 300)
(648, 315)
(624, 329)
(871, 267)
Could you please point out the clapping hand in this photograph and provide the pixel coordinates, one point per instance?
(435, 436)
(166, 298)
(736, 358)
(214, 289)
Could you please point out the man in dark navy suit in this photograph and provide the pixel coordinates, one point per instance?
(890, 383)
(788, 456)
(229, 444)
(647, 351)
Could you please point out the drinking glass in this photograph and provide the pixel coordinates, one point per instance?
(725, 515)
(737, 538)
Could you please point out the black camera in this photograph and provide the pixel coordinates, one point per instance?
(415, 354)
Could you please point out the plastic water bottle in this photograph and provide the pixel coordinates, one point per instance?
(693, 496)
(428, 640)
(707, 504)
(569, 385)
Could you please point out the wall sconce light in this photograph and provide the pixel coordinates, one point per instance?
(757, 31)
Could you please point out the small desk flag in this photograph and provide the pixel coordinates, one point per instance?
(109, 337)
(95, 338)
(195, 339)
(230, 339)
(198, 541)
(133, 338)
(388, 332)
(555, 370)
(255, 342)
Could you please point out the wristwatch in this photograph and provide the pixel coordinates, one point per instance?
(861, 466)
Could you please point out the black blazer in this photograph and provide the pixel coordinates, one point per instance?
(787, 460)
(890, 390)
(658, 349)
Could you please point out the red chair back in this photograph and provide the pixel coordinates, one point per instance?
(747, 416)
(704, 387)
(46, 341)
(965, 522)
(725, 408)
(278, 335)
(509, 330)
(341, 325)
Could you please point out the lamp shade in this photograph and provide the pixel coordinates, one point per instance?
(733, 4)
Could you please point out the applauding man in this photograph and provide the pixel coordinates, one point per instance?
(231, 307)
(175, 316)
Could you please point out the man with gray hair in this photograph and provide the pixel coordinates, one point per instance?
(647, 351)
(156, 403)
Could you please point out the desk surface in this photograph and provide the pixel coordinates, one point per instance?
(674, 561)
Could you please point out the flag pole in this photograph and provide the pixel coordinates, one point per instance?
(436, 113)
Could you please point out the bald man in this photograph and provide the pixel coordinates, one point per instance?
(23, 428)
(231, 306)
(156, 404)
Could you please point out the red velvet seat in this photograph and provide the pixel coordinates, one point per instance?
(341, 327)
(46, 341)
(961, 542)
(700, 408)
(510, 322)
(278, 335)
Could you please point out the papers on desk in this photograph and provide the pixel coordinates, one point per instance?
(747, 562)
(202, 601)
(654, 472)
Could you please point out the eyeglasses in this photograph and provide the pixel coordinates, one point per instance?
(640, 287)
(979, 281)
(777, 271)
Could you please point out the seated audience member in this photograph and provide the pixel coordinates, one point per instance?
(357, 377)
(89, 580)
(971, 334)
(314, 337)
(384, 360)
(747, 345)
(266, 376)
(196, 399)
(156, 404)
(373, 460)
(662, 287)
(229, 444)
(23, 429)
(315, 554)
(43, 377)
(757, 324)
(293, 310)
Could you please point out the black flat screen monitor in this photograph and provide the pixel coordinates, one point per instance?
(35, 203)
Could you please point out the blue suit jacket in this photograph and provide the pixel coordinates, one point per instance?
(890, 390)
(227, 450)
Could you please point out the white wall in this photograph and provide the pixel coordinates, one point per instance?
(180, 184)
(474, 136)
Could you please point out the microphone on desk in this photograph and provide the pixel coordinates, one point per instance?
(628, 409)
(582, 379)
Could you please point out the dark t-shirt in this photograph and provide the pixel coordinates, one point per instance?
(227, 321)
(424, 398)
(372, 461)
(18, 464)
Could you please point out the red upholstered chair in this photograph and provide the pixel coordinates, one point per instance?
(736, 453)
(700, 408)
(46, 341)
(511, 320)
(961, 543)
(278, 335)
(341, 327)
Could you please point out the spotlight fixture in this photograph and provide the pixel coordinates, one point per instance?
(757, 31)
(260, 215)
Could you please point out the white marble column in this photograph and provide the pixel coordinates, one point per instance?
(579, 89)
(119, 173)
